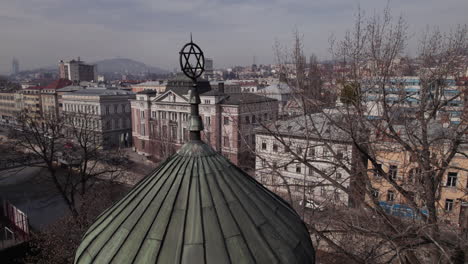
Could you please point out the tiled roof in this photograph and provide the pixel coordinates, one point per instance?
(197, 207)
(57, 84)
(245, 98)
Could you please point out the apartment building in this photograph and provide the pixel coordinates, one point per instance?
(11, 103)
(77, 70)
(402, 167)
(326, 150)
(103, 110)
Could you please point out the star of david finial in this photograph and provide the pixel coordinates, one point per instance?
(192, 60)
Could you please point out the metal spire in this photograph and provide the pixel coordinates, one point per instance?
(191, 54)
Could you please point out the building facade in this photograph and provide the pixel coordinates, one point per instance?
(104, 111)
(160, 121)
(158, 86)
(11, 103)
(77, 70)
(403, 169)
(278, 168)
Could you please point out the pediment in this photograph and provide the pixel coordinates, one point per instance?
(171, 97)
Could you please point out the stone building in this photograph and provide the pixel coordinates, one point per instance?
(160, 121)
(276, 166)
(11, 103)
(49, 99)
(105, 111)
(403, 168)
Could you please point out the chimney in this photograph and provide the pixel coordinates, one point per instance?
(221, 87)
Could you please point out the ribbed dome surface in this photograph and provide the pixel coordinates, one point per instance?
(197, 207)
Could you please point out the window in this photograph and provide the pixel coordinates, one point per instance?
(163, 115)
(325, 152)
(323, 191)
(142, 114)
(207, 120)
(142, 129)
(207, 102)
(264, 145)
(298, 168)
(226, 141)
(299, 150)
(392, 172)
(448, 205)
(265, 116)
(339, 154)
(376, 170)
(312, 152)
(116, 110)
(247, 119)
(123, 108)
(413, 173)
(452, 179)
(107, 110)
(253, 119)
(311, 172)
(173, 132)
(226, 120)
(275, 148)
(390, 196)
(338, 175)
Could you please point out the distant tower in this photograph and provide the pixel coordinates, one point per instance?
(209, 73)
(14, 66)
(254, 64)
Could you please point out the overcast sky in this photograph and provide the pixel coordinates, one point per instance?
(41, 32)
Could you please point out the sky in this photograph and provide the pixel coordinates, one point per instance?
(42, 32)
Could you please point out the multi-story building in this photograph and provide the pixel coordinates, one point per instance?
(160, 121)
(15, 66)
(325, 149)
(208, 74)
(158, 86)
(11, 103)
(49, 99)
(403, 169)
(77, 70)
(105, 111)
(32, 101)
(403, 95)
(281, 91)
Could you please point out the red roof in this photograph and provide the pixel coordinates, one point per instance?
(57, 84)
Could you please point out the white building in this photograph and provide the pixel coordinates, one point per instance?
(280, 91)
(403, 95)
(105, 111)
(276, 166)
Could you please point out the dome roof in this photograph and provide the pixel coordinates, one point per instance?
(197, 207)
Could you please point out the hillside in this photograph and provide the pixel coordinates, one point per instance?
(126, 66)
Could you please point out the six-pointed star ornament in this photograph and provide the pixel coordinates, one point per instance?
(192, 61)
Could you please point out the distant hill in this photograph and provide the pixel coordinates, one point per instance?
(126, 66)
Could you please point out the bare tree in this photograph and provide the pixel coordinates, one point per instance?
(72, 141)
(402, 142)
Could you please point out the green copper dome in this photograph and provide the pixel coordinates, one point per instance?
(197, 207)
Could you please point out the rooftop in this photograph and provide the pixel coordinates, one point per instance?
(197, 207)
